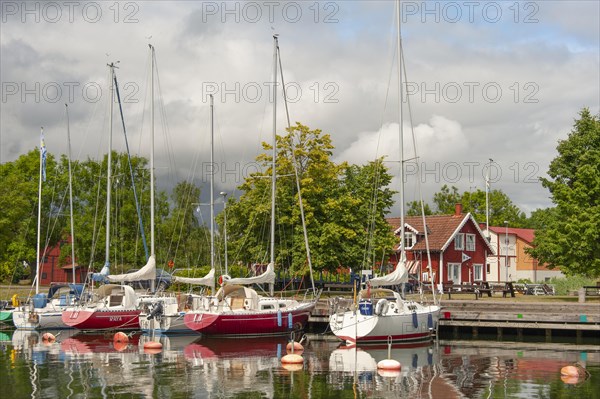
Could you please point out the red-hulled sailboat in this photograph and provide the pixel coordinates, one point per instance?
(237, 310)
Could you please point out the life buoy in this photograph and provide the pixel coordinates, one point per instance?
(381, 307)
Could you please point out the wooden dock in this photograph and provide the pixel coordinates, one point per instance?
(532, 318)
(502, 317)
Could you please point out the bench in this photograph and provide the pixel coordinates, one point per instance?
(338, 286)
(476, 289)
(592, 290)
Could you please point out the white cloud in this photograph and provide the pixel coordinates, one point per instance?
(546, 72)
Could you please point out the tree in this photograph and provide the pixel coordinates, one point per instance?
(344, 207)
(414, 208)
(501, 207)
(571, 235)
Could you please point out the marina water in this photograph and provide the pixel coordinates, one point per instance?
(79, 365)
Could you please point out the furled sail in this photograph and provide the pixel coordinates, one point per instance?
(398, 276)
(267, 277)
(209, 279)
(148, 272)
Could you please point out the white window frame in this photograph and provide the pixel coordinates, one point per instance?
(409, 237)
(459, 242)
(470, 242)
(454, 272)
(477, 272)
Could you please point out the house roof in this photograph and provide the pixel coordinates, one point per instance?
(525, 234)
(442, 229)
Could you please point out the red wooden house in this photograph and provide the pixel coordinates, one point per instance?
(52, 272)
(457, 246)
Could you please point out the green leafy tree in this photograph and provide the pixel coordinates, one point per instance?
(413, 208)
(500, 205)
(571, 235)
(18, 219)
(344, 207)
(183, 240)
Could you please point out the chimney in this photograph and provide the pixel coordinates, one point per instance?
(458, 209)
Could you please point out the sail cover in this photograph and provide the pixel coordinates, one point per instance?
(147, 272)
(209, 279)
(267, 277)
(398, 276)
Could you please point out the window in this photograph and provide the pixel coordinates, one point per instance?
(459, 242)
(470, 242)
(488, 268)
(454, 272)
(477, 272)
(409, 240)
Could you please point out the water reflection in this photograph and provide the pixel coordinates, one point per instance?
(93, 365)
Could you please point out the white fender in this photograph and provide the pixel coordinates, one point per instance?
(381, 307)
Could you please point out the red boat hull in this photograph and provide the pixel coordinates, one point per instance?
(86, 319)
(248, 324)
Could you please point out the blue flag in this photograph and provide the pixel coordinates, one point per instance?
(43, 151)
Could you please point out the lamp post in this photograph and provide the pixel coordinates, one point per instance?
(506, 247)
(224, 194)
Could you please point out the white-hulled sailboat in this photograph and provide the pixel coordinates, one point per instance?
(43, 311)
(382, 314)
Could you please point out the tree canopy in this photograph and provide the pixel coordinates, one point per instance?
(345, 207)
(570, 233)
(500, 206)
(177, 230)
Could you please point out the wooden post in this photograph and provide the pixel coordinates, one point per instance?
(581, 295)
(475, 332)
(499, 333)
(548, 335)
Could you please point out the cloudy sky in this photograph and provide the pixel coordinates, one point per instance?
(487, 80)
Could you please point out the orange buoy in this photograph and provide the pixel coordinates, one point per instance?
(389, 365)
(569, 379)
(152, 347)
(294, 347)
(569, 371)
(121, 337)
(292, 358)
(48, 337)
(388, 373)
(292, 366)
(120, 346)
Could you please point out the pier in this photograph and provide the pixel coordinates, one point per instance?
(500, 318)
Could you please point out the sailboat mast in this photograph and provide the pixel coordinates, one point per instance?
(71, 197)
(401, 134)
(212, 184)
(273, 163)
(152, 61)
(39, 224)
(274, 172)
(109, 163)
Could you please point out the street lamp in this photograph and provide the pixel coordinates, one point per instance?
(506, 249)
(224, 194)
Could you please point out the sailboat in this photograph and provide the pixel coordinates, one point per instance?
(113, 306)
(237, 310)
(44, 311)
(383, 315)
(163, 314)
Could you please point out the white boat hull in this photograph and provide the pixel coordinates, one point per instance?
(39, 319)
(401, 322)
